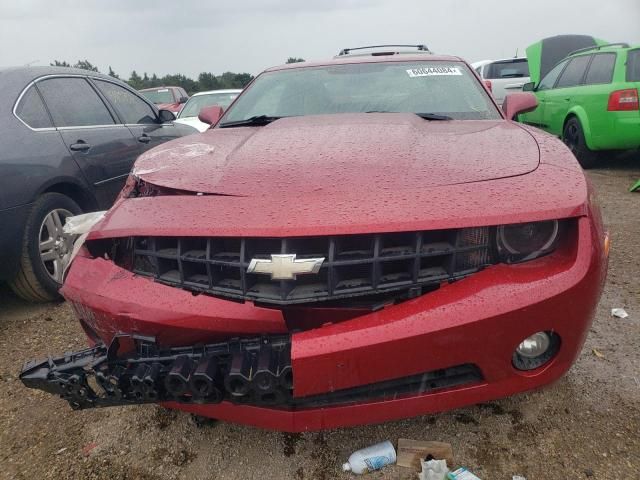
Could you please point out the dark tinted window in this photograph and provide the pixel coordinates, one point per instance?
(550, 78)
(511, 69)
(633, 66)
(31, 110)
(601, 68)
(574, 72)
(73, 103)
(130, 108)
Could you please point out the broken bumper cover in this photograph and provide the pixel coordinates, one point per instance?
(134, 370)
(465, 332)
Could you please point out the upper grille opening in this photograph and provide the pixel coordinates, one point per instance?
(354, 265)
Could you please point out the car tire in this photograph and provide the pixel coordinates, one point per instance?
(43, 253)
(573, 137)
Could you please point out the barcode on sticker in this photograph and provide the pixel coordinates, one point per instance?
(430, 71)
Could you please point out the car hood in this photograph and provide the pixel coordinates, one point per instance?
(193, 122)
(543, 55)
(341, 153)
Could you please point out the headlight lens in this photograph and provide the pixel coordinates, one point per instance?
(526, 241)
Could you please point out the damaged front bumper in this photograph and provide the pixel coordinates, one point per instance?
(449, 348)
(135, 370)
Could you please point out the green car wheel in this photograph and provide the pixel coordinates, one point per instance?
(573, 137)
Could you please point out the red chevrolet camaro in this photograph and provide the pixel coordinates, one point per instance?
(353, 241)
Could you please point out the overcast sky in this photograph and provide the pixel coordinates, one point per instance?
(187, 36)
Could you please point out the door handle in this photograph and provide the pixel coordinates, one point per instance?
(144, 138)
(80, 146)
(567, 99)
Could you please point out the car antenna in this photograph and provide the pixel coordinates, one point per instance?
(516, 56)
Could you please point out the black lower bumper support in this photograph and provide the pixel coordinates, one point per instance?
(257, 371)
(135, 370)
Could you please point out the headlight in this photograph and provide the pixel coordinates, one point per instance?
(526, 241)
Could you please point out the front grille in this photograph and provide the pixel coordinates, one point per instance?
(354, 265)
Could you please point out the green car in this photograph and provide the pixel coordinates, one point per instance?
(588, 96)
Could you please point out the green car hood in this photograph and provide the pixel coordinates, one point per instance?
(545, 54)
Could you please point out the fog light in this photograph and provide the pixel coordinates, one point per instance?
(536, 350)
(535, 345)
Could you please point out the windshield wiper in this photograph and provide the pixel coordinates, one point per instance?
(426, 116)
(255, 120)
(433, 116)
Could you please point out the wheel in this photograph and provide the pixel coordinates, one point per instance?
(573, 137)
(45, 252)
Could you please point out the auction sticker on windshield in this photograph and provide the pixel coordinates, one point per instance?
(429, 71)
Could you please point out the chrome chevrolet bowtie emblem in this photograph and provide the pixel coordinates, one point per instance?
(285, 266)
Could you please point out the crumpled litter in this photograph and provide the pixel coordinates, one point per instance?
(79, 227)
(433, 470)
(619, 312)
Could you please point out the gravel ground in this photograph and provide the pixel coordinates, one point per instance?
(585, 426)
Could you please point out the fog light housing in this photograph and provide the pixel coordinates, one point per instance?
(536, 350)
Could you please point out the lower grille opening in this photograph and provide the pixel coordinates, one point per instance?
(403, 387)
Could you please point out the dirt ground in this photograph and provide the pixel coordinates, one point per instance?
(585, 426)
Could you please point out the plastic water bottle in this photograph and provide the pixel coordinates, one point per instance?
(371, 458)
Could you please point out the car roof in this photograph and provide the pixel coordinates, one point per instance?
(15, 79)
(150, 89)
(350, 59)
(225, 90)
(27, 74)
(481, 63)
(609, 48)
(508, 60)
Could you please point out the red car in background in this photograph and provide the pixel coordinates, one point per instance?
(166, 98)
(354, 241)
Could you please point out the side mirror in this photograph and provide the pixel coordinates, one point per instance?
(166, 116)
(183, 99)
(529, 87)
(520, 102)
(210, 115)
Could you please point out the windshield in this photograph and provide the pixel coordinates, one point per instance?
(162, 95)
(198, 102)
(511, 69)
(445, 88)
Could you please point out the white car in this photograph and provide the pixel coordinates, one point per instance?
(189, 113)
(506, 76)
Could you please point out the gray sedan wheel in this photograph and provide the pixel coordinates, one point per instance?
(45, 251)
(55, 249)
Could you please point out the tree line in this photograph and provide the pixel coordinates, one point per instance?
(205, 80)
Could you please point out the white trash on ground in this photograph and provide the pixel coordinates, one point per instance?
(371, 458)
(619, 312)
(433, 470)
(461, 474)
